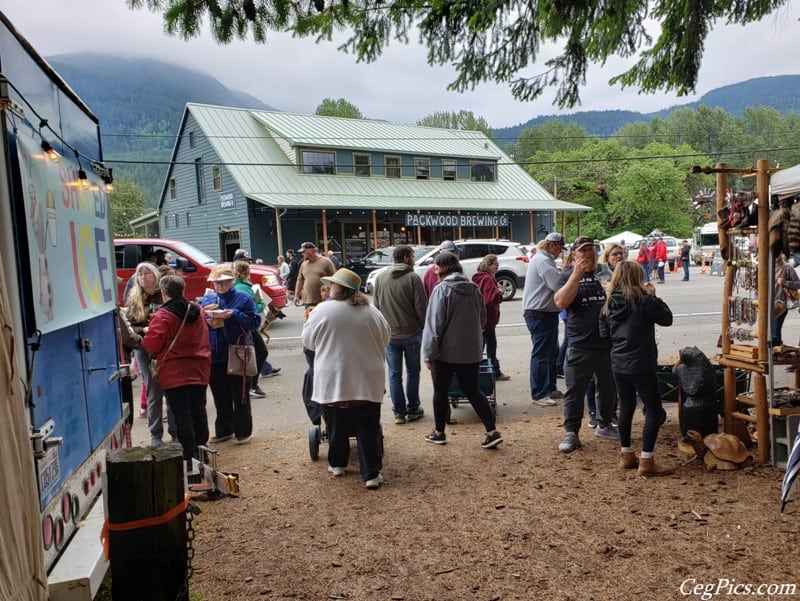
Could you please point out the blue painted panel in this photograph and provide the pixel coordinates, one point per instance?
(103, 398)
(58, 394)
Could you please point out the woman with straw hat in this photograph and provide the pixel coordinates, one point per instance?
(349, 337)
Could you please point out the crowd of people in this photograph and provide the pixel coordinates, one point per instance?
(443, 320)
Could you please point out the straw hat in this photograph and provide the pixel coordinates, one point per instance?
(344, 277)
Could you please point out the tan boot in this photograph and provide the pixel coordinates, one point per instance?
(627, 460)
(648, 467)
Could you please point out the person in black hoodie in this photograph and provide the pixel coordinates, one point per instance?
(628, 319)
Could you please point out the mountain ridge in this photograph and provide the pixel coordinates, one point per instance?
(140, 101)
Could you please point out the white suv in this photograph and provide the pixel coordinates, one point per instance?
(510, 275)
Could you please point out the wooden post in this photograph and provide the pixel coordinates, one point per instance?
(147, 563)
(325, 231)
(530, 226)
(764, 328)
(374, 230)
(279, 231)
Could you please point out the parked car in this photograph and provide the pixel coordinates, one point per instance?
(191, 263)
(380, 258)
(510, 276)
(673, 249)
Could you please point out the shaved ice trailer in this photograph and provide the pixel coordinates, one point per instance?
(63, 384)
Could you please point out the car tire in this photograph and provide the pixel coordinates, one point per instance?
(508, 285)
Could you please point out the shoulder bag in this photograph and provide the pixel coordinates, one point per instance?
(154, 367)
(242, 358)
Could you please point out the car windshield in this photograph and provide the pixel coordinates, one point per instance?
(193, 253)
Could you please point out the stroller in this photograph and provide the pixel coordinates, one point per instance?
(317, 432)
(486, 385)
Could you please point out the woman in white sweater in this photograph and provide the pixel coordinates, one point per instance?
(348, 337)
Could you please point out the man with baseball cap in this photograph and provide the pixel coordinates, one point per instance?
(583, 296)
(308, 288)
(541, 316)
(242, 255)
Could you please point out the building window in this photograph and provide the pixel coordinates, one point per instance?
(188, 219)
(166, 222)
(191, 139)
(482, 172)
(318, 163)
(361, 165)
(177, 221)
(449, 170)
(216, 177)
(422, 168)
(200, 180)
(173, 189)
(392, 165)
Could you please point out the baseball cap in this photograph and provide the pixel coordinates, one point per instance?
(555, 238)
(448, 246)
(241, 255)
(582, 242)
(307, 245)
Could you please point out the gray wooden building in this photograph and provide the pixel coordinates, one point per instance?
(267, 181)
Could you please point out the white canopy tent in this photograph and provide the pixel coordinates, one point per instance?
(629, 237)
(785, 181)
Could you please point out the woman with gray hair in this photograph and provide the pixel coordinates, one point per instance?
(142, 301)
(178, 336)
(452, 345)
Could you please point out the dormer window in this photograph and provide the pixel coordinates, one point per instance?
(361, 165)
(422, 168)
(482, 172)
(316, 162)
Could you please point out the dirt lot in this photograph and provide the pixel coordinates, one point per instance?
(518, 523)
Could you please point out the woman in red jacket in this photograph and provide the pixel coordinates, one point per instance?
(644, 259)
(178, 337)
(492, 297)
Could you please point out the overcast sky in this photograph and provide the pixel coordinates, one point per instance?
(296, 74)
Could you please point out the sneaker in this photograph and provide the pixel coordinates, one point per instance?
(374, 483)
(609, 432)
(244, 440)
(592, 420)
(336, 471)
(503, 378)
(399, 419)
(544, 401)
(225, 438)
(256, 392)
(492, 440)
(415, 414)
(569, 443)
(556, 394)
(275, 371)
(436, 437)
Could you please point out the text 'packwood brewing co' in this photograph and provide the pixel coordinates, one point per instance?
(450, 220)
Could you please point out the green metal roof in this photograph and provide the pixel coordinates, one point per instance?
(257, 147)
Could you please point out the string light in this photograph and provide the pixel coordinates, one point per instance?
(83, 179)
(49, 151)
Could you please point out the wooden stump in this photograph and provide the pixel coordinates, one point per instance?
(147, 564)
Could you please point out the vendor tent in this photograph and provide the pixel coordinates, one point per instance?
(629, 237)
(785, 181)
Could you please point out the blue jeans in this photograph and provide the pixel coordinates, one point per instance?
(686, 270)
(395, 351)
(562, 351)
(660, 270)
(646, 270)
(543, 326)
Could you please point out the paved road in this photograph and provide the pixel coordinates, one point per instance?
(696, 305)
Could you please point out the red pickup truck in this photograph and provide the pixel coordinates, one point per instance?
(191, 263)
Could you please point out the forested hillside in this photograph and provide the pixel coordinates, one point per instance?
(139, 103)
(781, 92)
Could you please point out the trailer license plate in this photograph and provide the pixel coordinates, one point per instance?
(49, 472)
